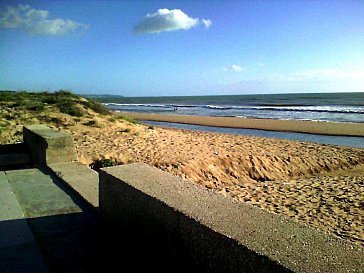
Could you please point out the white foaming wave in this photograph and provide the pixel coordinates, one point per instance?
(121, 104)
(135, 105)
(329, 109)
(326, 109)
(217, 107)
(183, 105)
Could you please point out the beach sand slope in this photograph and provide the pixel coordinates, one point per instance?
(321, 185)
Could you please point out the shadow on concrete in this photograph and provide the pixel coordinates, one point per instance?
(192, 247)
(66, 243)
(82, 242)
(69, 243)
(68, 190)
(13, 148)
(179, 228)
(14, 156)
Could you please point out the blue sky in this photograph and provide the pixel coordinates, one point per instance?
(165, 48)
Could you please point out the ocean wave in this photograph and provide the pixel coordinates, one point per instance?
(315, 109)
(218, 107)
(136, 105)
(318, 109)
(121, 104)
(182, 105)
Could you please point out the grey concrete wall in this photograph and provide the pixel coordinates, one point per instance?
(197, 230)
(48, 146)
(80, 178)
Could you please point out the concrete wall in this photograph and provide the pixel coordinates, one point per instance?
(196, 230)
(48, 146)
(55, 150)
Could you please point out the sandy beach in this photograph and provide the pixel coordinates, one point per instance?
(311, 127)
(320, 185)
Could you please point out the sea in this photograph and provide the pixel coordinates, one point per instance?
(330, 107)
(327, 107)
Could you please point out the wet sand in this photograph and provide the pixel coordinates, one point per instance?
(311, 127)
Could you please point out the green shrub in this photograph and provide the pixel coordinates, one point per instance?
(102, 163)
(35, 107)
(10, 117)
(63, 99)
(96, 106)
(50, 99)
(7, 95)
(126, 130)
(92, 123)
(14, 105)
(69, 107)
(65, 93)
(54, 120)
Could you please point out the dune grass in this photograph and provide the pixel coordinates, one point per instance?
(65, 101)
(61, 109)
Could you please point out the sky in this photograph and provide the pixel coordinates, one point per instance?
(176, 48)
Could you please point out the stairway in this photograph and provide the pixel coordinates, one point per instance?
(45, 226)
(14, 156)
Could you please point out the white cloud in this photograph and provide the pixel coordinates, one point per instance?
(36, 21)
(168, 20)
(206, 22)
(234, 68)
(55, 27)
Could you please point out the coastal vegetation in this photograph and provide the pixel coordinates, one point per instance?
(61, 109)
(65, 101)
(102, 163)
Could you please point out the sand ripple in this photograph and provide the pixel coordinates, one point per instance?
(334, 204)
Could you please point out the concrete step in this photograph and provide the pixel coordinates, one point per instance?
(63, 228)
(41, 194)
(14, 161)
(10, 208)
(14, 156)
(18, 248)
